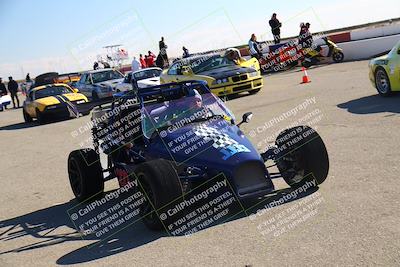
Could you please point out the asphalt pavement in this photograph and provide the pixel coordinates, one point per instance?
(351, 219)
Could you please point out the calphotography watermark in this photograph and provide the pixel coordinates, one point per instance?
(273, 224)
(106, 215)
(209, 204)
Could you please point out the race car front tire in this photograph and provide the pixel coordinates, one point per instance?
(160, 184)
(85, 174)
(301, 154)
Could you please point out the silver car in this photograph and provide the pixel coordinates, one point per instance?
(99, 84)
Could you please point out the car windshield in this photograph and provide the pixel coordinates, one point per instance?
(179, 112)
(145, 74)
(51, 91)
(102, 76)
(394, 49)
(213, 62)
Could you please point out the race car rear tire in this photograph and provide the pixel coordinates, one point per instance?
(382, 82)
(40, 117)
(301, 154)
(27, 118)
(85, 174)
(160, 184)
(253, 92)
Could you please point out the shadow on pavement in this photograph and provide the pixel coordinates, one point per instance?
(25, 125)
(18, 126)
(373, 104)
(45, 226)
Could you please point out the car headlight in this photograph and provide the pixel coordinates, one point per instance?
(220, 81)
(253, 74)
(382, 62)
(80, 101)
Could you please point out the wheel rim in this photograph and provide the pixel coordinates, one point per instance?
(337, 56)
(75, 177)
(297, 168)
(381, 82)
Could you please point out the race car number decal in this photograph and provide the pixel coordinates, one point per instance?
(221, 141)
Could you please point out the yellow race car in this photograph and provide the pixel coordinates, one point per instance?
(225, 74)
(384, 72)
(52, 101)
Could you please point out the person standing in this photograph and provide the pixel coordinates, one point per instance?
(13, 89)
(163, 51)
(185, 52)
(303, 35)
(308, 39)
(135, 64)
(142, 62)
(150, 57)
(253, 47)
(275, 28)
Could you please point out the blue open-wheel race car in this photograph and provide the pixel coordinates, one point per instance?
(173, 137)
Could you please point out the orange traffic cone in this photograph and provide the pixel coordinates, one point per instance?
(305, 76)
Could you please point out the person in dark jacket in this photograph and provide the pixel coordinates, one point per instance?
(275, 28)
(185, 52)
(160, 61)
(13, 89)
(163, 51)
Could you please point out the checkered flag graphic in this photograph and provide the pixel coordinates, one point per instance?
(221, 140)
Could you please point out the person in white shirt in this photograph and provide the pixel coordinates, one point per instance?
(135, 64)
(253, 47)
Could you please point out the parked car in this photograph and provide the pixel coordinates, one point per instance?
(141, 78)
(225, 74)
(5, 100)
(52, 101)
(97, 84)
(384, 72)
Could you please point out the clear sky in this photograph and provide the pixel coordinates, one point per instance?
(67, 35)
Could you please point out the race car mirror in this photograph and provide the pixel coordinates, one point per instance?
(246, 118)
